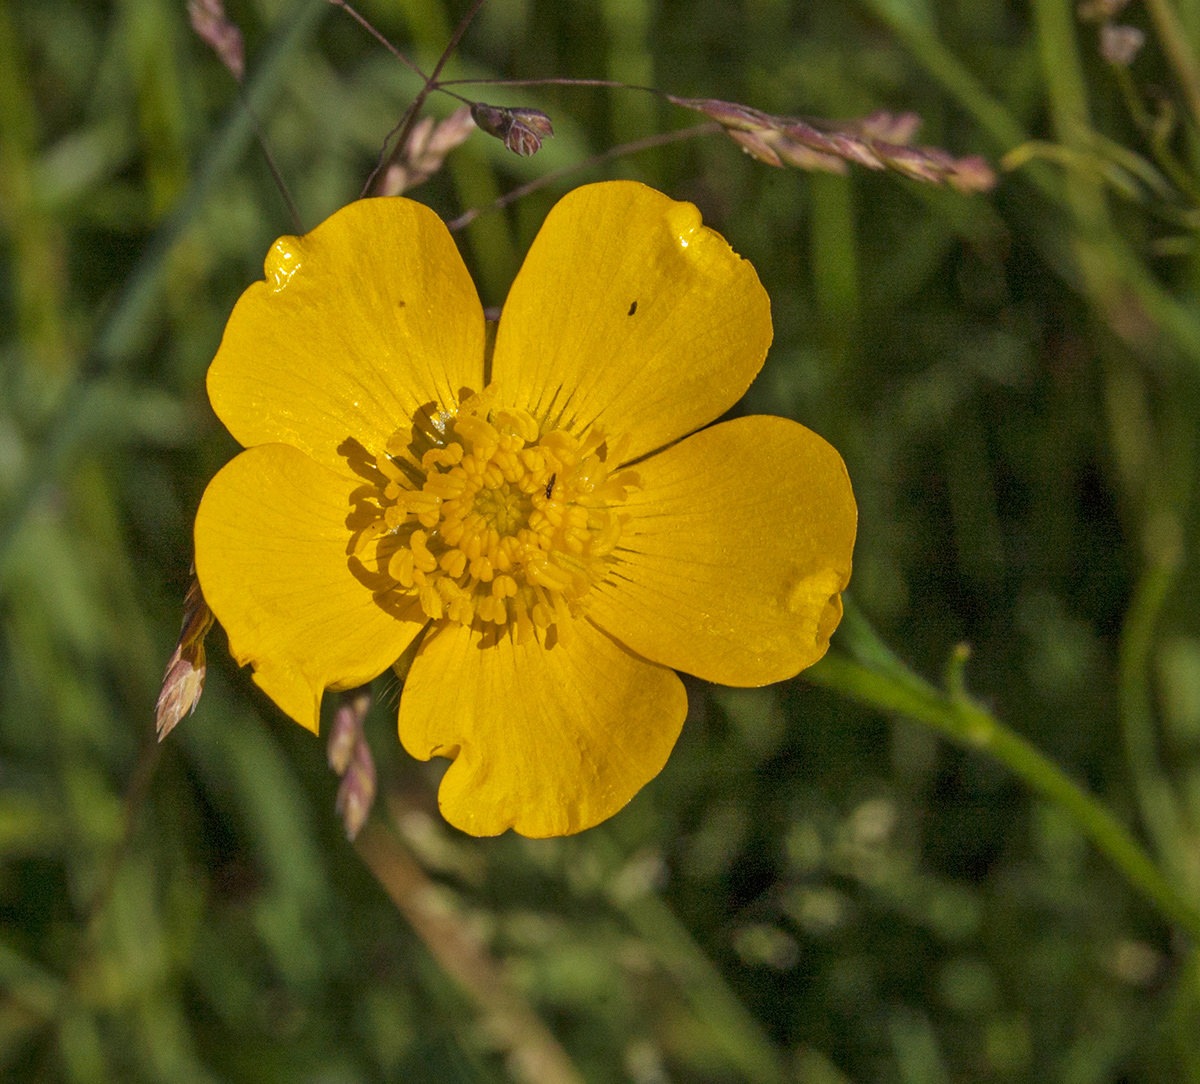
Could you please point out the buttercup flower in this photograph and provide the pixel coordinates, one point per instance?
(538, 520)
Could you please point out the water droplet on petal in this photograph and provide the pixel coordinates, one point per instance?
(683, 220)
(282, 262)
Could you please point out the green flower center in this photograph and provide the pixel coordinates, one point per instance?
(483, 517)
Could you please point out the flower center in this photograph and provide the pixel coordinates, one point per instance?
(481, 516)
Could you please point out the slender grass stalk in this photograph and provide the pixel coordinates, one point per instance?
(1178, 322)
(729, 1025)
(38, 245)
(120, 334)
(1063, 73)
(74, 420)
(1160, 810)
(506, 1015)
(1180, 54)
(875, 676)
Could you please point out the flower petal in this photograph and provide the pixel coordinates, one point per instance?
(545, 741)
(739, 542)
(271, 555)
(360, 322)
(629, 313)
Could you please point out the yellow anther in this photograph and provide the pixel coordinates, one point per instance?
(544, 575)
(524, 624)
(388, 468)
(518, 422)
(461, 610)
(476, 430)
(534, 459)
(502, 512)
(584, 477)
(431, 602)
(493, 610)
(422, 558)
(442, 457)
(400, 567)
(560, 441)
(368, 535)
(446, 486)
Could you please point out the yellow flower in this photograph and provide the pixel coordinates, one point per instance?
(540, 518)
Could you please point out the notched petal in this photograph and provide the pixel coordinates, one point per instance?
(546, 741)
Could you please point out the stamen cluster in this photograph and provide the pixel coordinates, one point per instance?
(483, 517)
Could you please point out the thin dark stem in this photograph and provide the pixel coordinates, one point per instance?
(137, 792)
(556, 81)
(622, 149)
(276, 176)
(366, 25)
(441, 89)
(452, 44)
(405, 126)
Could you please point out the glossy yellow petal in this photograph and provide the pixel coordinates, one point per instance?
(629, 314)
(271, 542)
(546, 741)
(739, 542)
(359, 323)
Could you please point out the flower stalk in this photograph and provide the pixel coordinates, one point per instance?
(872, 674)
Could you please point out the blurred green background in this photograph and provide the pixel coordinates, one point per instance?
(812, 890)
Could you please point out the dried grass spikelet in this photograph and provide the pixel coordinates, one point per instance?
(523, 129)
(350, 757)
(218, 31)
(183, 681)
(1120, 44)
(879, 141)
(425, 151)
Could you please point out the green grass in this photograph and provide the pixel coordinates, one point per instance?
(818, 887)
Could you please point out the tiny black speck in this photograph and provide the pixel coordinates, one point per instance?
(550, 486)
(633, 308)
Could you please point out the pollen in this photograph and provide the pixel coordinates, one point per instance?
(484, 519)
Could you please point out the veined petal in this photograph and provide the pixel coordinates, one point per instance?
(359, 323)
(545, 741)
(271, 555)
(739, 543)
(631, 315)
